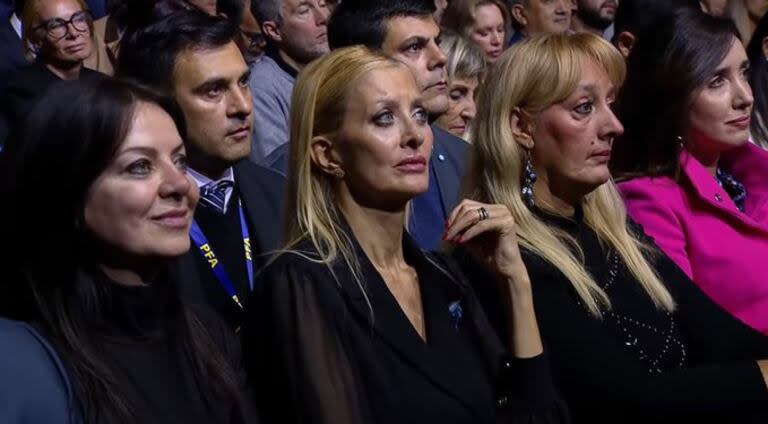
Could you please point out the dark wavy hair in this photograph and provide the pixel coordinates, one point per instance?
(664, 69)
(67, 141)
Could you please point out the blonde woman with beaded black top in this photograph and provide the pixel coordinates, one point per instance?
(629, 337)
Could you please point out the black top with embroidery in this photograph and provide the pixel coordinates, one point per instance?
(638, 363)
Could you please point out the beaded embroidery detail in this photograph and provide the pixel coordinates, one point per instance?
(630, 328)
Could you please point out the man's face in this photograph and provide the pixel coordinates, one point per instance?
(211, 87)
(303, 29)
(251, 40)
(597, 14)
(414, 41)
(545, 16)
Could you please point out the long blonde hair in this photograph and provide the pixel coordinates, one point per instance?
(319, 102)
(535, 74)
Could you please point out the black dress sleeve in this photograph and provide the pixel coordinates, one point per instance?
(524, 387)
(712, 333)
(294, 339)
(592, 365)
(229, 345)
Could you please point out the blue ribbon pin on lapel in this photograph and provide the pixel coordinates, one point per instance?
(456, 313)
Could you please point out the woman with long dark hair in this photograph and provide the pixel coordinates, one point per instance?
(98, 206)
(695, 183)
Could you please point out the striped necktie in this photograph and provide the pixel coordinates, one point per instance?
(215, 194)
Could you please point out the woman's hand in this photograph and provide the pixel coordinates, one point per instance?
(489, 234)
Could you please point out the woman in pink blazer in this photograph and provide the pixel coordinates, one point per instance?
(690, 176)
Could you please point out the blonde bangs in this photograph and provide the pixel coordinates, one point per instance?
(605, 55)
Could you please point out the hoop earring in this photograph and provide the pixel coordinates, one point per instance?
(529, 178)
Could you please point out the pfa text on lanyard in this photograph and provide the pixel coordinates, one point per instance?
(218, 270)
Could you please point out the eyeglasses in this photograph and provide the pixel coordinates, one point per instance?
(58, 28)
(256, 40)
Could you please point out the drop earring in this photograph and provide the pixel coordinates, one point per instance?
(529, 178)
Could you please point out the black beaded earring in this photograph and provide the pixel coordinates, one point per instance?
(529, 178)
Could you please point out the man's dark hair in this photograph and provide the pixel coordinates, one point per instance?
(365, 21)
(148, 54)
(637, 16)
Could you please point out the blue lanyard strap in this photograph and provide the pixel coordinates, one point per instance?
(210, 256)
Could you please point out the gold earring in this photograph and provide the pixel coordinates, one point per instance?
(338, 173)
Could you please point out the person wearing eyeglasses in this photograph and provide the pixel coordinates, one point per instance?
(251, 40)
(58, 35)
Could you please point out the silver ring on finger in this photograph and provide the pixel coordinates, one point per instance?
(483, 214)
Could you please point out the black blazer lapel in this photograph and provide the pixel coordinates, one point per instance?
(391, 324)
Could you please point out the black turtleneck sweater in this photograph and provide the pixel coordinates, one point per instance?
(139, 338)
(638, 364)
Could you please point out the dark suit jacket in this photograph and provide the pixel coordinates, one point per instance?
(448, 157)
(11, 51)
(11, 60)
(27, 86)
(261, 191)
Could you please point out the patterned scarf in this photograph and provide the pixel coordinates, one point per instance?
(734, 188)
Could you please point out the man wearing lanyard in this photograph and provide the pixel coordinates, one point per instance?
(237, 221)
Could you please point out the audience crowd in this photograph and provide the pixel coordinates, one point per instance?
(383, 211)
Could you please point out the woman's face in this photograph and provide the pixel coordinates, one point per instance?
(141, 205)
(384, 143)
(488, 31)
(461, 106)
(572, 140)
(756, 8)
(719, 114)
(714, 7)
(65, 35)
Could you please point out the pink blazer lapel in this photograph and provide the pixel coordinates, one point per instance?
(709, 191)
(749, 165)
